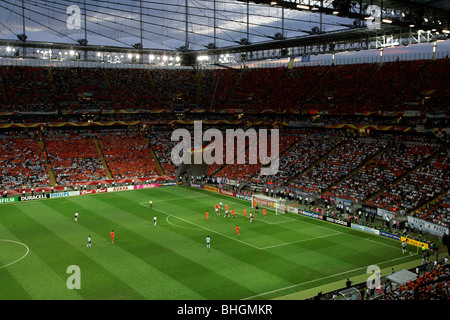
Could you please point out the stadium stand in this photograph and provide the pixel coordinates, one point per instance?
(80, 87)
(244, 172)
(339, 89)
(73, 158)
(27, 88)
(22, 163)
(127, 155)
(432, 285)
(419, 187)
(394, 162)
(176, 85)
(339, 163)
(321, 157)
(309, 149)
(436, 211)
(132, 89)
(161, 144)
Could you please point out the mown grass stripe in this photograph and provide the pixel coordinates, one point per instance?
(39, 274)
(190, 261)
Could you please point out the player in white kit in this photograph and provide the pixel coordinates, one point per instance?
(208, 242)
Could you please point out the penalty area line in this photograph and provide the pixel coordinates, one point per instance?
(210, 230)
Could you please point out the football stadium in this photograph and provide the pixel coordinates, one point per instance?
(225, 150)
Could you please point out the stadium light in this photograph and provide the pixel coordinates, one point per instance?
(385, 20)
(302, 6)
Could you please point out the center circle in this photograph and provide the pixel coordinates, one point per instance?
(9, 254)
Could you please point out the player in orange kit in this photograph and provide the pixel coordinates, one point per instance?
(217, 209)
(264, 213)
(245, 213)
(112, 236)
(207, 216)
(237, 231)
(233, 213)
(226, 211)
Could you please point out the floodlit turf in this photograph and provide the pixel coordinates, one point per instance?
(273, 257)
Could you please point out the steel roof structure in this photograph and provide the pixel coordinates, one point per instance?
(247, 30)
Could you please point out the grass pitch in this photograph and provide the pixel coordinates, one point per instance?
(272, 258)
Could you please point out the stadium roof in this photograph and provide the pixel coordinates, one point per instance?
(219, 26)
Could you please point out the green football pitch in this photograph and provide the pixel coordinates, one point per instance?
(40, 243)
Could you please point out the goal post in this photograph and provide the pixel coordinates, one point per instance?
(277, 205)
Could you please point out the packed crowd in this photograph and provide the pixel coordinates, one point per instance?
(418, 188)
(74, 158)
(251, 156)
(176, 86)
(28, 89)
(339, 163)
(81, 84)
(394, 162)
(432, 285)
(437, 212)
(161, 143)
(337, 88)
(22, 164)
(301, 156)
(254, 86)
(132, 88)
(128, 155)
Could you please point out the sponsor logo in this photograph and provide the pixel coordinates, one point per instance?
(59, 194)
(92, 191)
(7, 200)
(146, 186)
(35, 197)
(337, 221)
(228, 193)
(120, 188)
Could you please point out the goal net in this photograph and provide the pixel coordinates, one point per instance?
(274, 204)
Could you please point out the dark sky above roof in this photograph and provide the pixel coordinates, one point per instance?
(118, 22)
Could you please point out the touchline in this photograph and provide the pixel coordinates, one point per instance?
(213, 153)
